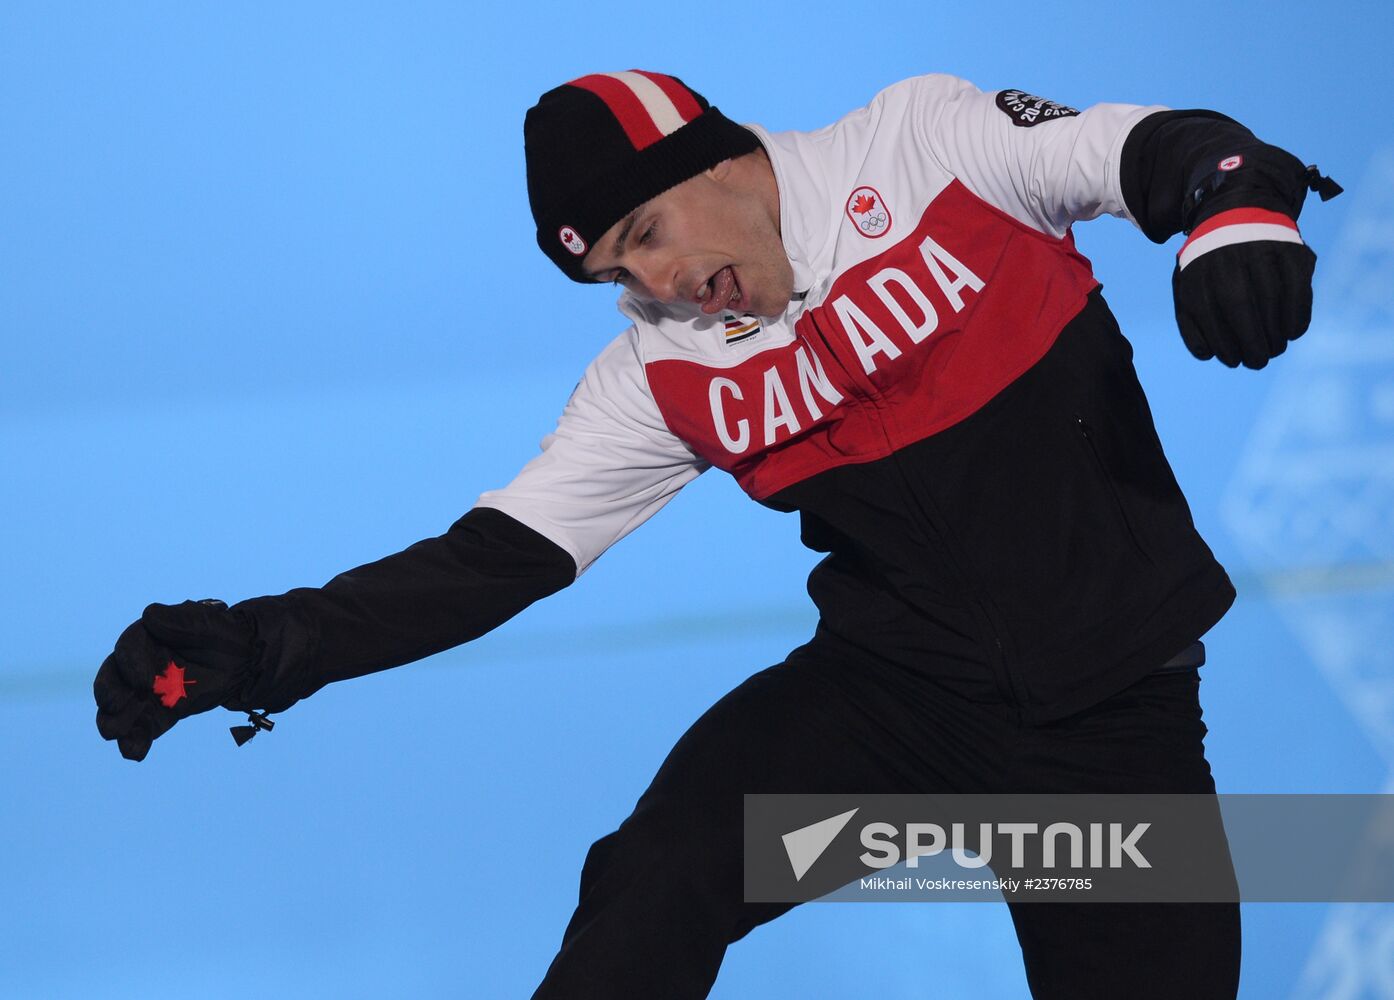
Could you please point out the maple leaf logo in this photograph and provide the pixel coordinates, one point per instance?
(864, 203)
(170, 685)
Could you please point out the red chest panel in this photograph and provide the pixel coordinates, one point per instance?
(903, 345)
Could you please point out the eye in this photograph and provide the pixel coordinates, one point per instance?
(620, 277)
(649, 233)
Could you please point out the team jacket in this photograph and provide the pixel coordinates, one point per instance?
(948, 404)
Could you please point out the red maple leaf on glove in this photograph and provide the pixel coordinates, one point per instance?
(864, 203)
(170, 685)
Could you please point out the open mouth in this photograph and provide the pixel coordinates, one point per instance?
(722, 291)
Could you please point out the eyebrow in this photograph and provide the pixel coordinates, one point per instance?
(624, 233)
(619, 242)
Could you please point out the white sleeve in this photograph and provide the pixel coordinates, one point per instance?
(1043, 163)
(610, 465)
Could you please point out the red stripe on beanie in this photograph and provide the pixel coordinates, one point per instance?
(628, 110)
(680, 96)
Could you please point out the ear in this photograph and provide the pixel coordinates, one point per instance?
(719, 172)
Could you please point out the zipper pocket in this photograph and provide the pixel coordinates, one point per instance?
(1108, 481)
(939, 540)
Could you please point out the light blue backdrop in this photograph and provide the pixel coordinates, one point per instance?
(270, 307)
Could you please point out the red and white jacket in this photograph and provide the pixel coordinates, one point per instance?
(930, 237)
(954, 279)
(948, 403)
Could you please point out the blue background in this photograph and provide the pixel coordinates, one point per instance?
(270, 307)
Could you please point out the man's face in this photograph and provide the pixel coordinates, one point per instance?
(713, 241)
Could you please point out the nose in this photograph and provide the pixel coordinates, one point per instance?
(659, 278)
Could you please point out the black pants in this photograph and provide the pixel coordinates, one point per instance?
(661, 897)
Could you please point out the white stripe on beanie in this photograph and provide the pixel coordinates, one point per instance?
(664, 114)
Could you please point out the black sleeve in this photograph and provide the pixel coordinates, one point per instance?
(436, 594)
(1171, 176)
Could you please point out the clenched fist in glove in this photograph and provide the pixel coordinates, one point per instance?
(1243, 287)
(177, 661)
(264, 654)
(1243, 278)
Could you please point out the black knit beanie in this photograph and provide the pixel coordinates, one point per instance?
(602, 145)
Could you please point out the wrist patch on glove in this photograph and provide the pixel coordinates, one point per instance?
(1237, 225)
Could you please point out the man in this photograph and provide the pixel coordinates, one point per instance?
(885, 326)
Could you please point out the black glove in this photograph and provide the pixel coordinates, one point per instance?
(263, 655)
(1243, 302)
(1243, 280)
(177, 661)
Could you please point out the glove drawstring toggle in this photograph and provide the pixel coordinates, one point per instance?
(258, 722)
(1323, 186)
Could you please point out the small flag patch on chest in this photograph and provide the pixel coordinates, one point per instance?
(738, 329)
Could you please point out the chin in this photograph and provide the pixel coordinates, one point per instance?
(770, 308)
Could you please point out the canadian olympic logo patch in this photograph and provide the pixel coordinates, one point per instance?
(869, 212)
(572, 240)
(1232, 162)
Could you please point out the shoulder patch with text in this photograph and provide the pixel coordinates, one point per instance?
(1026, 109)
